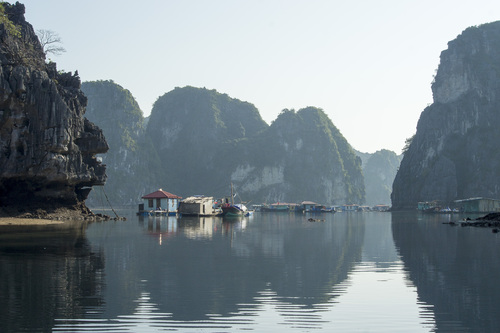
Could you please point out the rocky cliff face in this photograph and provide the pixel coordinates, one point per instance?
(190, 129)
(207, 140)
(131, 160)
(454, 153)
(198, 141)
(379, 171)
(48, 148)
(301, 156)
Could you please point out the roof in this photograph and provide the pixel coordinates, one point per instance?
(160, 194)
(475, 199)
(197, 199)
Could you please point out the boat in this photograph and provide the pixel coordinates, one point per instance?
(230, 209)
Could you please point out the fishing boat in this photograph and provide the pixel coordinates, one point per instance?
(230, 209)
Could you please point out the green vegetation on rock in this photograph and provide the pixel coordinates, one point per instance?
(131, 155)
(9, 26)
(199, 141)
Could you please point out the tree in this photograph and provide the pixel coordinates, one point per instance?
(408, 142)
(50, 42)
(11, 28)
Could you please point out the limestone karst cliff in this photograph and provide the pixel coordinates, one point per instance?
(131, 161)
(455, 153)
(198, 141)
(379, 170)
(191, 130)
(48, 147)
(302, 156)
(207, 140)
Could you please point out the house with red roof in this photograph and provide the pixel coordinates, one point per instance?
(159, 203)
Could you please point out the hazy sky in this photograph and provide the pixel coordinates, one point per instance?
(368, 64)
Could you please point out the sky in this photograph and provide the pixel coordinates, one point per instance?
(368, 64)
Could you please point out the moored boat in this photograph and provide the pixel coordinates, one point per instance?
(230, 209)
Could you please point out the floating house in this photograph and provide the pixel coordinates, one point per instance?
(428, 206)
(281, 207)
(381, 208)
(198, 205)
(159, 203)
(276, 207)
(311, 207)
(478, 205)
(350, 208)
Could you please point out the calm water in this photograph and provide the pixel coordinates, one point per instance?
(354, 272)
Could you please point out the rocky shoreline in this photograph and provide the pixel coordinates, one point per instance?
(79, 212)
(491, 220)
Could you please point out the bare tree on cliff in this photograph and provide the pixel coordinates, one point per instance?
(51, 42)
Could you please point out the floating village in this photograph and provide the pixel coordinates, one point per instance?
(163, 203)
(470, 205)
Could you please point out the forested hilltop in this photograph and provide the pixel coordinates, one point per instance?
(199, 141)
(454, 153)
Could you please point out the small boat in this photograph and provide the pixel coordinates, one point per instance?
(232, 209)
(229, 210)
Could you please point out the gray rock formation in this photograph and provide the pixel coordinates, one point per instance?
(379, 170)
(47, 147)
(196, 133)
(301, 156)
(207, 140)
(198, 141)
(454, 153)
(131, 159)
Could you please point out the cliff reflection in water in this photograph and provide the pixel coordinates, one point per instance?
(216, 266)
(271, 272)
(456, 269)
(47, 272)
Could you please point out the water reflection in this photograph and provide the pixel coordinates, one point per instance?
(47, 272)
(456, 269)
(214, 273)
(273, 272)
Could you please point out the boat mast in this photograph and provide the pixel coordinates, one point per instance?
(232, 202)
